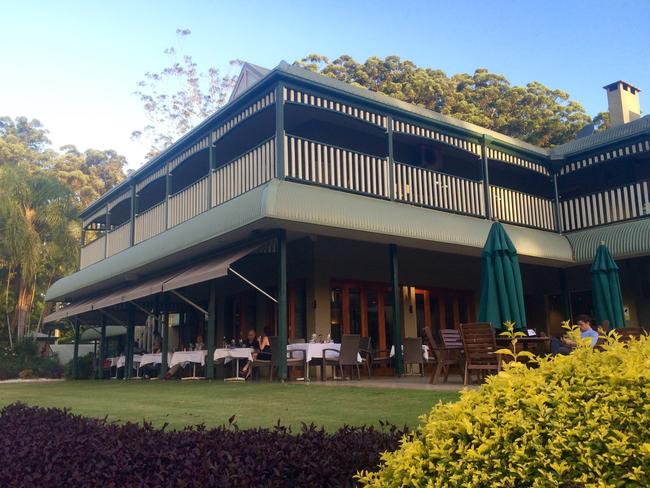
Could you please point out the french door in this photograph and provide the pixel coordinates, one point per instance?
(440, 308)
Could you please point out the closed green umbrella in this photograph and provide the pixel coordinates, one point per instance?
(502, 294)
(606, 284)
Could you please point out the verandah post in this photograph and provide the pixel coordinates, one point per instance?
(282, 305)
(558, 210)
(486, 178)
(75, 352)
(279, 131)
(391, 158)
(397, 310)
(130, 336)
(164, 332)
(212, 314)
(102, 349)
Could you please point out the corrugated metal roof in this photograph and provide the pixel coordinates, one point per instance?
(624, 240)
(607, 137)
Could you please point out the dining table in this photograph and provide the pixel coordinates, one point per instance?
(315, 350)
(183, 358)
(236, 353)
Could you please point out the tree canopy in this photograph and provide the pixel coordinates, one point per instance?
(533, 113)
(41, 193)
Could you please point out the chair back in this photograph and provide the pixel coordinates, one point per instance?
(297, 340)
(629, 332)
(274, 344)
(479, 341)
(412, 350)
(428, 335)
(451, 339)
(349, 350)
(365, 344)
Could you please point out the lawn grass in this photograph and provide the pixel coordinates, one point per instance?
(180, 404)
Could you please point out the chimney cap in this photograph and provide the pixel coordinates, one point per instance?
(626, 86)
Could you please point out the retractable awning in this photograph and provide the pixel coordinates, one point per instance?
(70, 311)
(213, 268)
(209, 270)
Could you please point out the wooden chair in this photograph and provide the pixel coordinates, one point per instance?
(479, 344)
(449, 354)
(348, 355)
(628, 332)
(412, 354)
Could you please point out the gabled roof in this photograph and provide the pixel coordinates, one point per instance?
(248, 76)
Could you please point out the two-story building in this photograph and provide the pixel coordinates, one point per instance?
(311, 206)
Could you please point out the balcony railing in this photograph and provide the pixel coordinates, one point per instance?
(188, 203)
(244, 173)
(119, 239)
(150, 223)
(315, 162)
(605, 207)
(93, 252)
(522, 208)
(428, 188)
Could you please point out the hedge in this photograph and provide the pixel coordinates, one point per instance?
(581, 420)
(51, 447)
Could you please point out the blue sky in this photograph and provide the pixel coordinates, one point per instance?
(75, 65)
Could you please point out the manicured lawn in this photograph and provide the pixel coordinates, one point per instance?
(188, 403)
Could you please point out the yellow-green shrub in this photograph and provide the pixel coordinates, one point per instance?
(577, 420)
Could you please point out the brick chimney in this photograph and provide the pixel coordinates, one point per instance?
(623, 101)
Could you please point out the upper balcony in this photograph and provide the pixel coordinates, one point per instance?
(325, 138)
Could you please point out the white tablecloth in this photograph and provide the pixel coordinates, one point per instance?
(184, 357)
(236, 353)
(154, 358)
(315, 350)
(425, 351)
(121, 361)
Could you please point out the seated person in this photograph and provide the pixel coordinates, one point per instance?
(567, 344)
(261, 350)
(198, 346)
(265, 345)
(156, 342)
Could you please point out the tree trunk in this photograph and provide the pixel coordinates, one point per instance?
(23, 307)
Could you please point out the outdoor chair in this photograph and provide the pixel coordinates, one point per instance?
(347, 356)
(628, 332)
(479, 344)
(365, 350)
(448, 354)
(274, 362)
(412, 354)
(379, 357)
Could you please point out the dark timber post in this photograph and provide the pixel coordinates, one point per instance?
(486, 178)
(102, 349)
(107, 229)
(134, 210)
(566, 296)
(397, 310)
(130, 335)
(211, 164)
(75, 352)
(279, 131)
(282, 305)
(168, 190)
(212, 315)
(164, 332)
(558, 209)
(391, 158)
